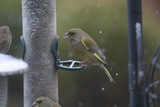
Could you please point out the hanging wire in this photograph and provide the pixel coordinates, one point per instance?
(152, 98)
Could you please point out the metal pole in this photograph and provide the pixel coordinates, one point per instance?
(3, 91)
(136, 61)
(39, 28)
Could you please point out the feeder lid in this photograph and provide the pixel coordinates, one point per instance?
(10, 65)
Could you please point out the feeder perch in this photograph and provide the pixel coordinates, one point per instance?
(70, 65)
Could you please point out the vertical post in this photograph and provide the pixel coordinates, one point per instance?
(39, 28)
(136, 61)
(3, 91)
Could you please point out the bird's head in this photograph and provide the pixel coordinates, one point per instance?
(5, 30)
(74, 34)
(42, 102)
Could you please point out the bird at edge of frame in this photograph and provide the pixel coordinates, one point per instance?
(45, 102)
(5, 39)
(87, 49)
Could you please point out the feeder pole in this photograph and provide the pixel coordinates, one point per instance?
(136, 60)
(39, 29)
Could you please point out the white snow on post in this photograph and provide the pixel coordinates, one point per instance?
(10, 65)
(138, 29)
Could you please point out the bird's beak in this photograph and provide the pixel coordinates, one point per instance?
(35, 104)
(66, 35)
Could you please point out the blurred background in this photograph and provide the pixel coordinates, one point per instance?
(104, 20)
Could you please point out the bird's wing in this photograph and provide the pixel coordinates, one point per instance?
(93, 48)
(4, 44)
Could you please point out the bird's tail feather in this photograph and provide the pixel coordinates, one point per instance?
(107, 73)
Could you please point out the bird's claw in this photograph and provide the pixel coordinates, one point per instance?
(85, 64)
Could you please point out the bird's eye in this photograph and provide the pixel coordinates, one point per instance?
(71, 33)
(40, 101)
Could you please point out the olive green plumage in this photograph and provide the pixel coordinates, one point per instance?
(87, 48)
(5, 39)
(45, 102)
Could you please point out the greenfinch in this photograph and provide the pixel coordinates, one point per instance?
(45, 102)
(87, 48)
(5, 39)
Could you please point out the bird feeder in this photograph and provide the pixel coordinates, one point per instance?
(69, 65)
(8, 66)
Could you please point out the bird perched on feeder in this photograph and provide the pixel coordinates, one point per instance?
(45, 102)
(5, 39)
(88, 49)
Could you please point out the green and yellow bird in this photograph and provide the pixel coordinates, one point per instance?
(45, 102)
(87, 48)
(5, 39)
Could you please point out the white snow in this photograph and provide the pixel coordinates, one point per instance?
(138, 29)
